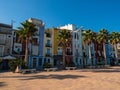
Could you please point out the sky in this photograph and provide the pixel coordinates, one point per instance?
(91, 14)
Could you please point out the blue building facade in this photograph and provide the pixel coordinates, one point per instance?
(36, 57)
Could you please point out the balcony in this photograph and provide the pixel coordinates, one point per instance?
(60, 52)
(48, 55)
(68, 53)
(48, 45)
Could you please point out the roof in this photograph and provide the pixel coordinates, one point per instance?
(5, 25)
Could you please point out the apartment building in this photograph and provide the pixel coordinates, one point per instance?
(6, 38)
(118, 53)
(69, 48)
(6, 43)
(36, 49)
(52, 51)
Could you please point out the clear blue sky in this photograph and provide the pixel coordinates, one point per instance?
(92, 14)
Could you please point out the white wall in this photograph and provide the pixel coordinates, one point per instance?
(68, 27)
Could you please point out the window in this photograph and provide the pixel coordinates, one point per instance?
(76, 51)
(68, 49)
(9, 36)
(48, 60)
(118, 50)
(75, 36)
(48, 41)
(48, 51)
(76, 60)
(84, 54)
(48, 35)
(59, 48)
(99, 47)
(45, 60)
(118, 46)
(80, 61)
(35, 41)
(55, 62)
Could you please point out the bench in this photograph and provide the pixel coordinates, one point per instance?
(28, 71)
(70, 68)
(50, 69)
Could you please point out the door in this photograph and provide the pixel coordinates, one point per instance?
(34, 62)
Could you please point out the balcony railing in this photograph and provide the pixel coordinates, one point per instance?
(60, 53)
(48, 55)
(48, 45)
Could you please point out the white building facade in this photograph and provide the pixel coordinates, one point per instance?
(77, 47)
(76, 43)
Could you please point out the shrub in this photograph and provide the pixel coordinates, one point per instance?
(100, 63)
(47, 65)
(14, 63)
(71, 64)
(0, 64)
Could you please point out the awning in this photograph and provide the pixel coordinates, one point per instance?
(8, 57)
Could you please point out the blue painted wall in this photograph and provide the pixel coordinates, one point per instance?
(41, 41)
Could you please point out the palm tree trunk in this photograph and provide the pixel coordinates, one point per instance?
(63, 57)
(115, 46)
(90, 54)
(26, 52)
(104, 51)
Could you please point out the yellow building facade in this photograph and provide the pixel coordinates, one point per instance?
(51, 48)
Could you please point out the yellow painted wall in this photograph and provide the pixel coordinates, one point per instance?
(44, 43)
(45, 40)
(55, 41)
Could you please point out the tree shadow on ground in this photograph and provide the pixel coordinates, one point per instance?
(102, 70)
(4, 71)
(51, 76)
(2, 84)
(107, 71)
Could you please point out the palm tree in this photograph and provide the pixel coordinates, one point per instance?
(88, 38)
(64, 38)
(102, 37)
(26, 31)
(114, 39)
